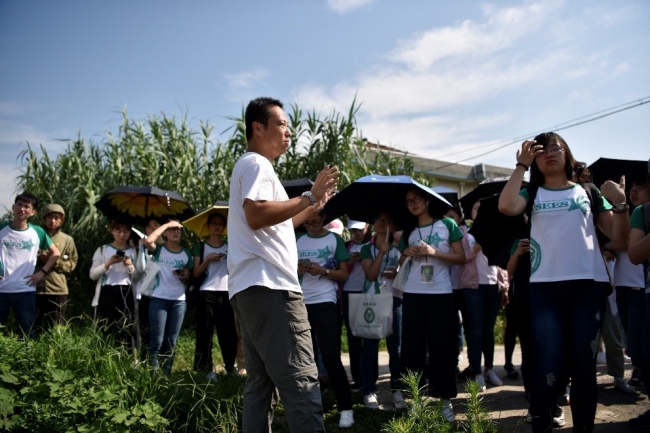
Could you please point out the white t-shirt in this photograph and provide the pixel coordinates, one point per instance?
(117, 274)
(440, 234)
(355, 280)
(626, 274)
(18, 254)
(217, 279)
(486, 274)
(168, 285)
(268, 256)
(563, 244)
(390, 260)
(326, 251)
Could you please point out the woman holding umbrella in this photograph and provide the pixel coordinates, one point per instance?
(213, 309)
(167, 306)
(433, 243)
(568, 279)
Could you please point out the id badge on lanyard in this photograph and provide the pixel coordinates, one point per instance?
(426, 268)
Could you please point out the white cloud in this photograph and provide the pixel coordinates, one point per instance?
(344, 6)
(412, 97)
(246, 79)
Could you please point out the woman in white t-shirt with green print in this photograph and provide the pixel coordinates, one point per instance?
(568, 280)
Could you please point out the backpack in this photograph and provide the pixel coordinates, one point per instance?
(194, 284)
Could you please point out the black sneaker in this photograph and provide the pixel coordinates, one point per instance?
(641, 421)
(512, 373)
(635, 380)
(465, 375)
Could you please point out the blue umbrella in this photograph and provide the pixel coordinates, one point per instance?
(368, 196)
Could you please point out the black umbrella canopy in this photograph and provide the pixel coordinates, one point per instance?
(450, 194)
(612, 169)
(496, 232)
(139, 203)
(297, 186)
(484, 189)
(368, 196)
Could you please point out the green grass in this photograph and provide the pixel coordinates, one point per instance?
(72, 379)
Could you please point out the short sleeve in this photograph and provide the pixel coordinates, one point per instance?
(257, 182)
(524, 193)
(341, 253)
(190, 259)
(401, 245)
(602, 204)
(454, 232)
(196, 251)
(514, 246)
(637, 220)
(365, 253)
(44, 240)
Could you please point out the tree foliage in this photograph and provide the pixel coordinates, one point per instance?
(167, 153)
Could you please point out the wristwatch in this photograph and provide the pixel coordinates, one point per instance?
(621, 208)
(310, 196)
(327, 271)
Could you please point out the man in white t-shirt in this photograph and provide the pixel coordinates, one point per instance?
(20, 243)
(263, 276)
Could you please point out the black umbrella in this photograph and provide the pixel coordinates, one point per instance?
(612, 169)
(136, 204)
(297, 186)
(450, 194)
(484, 189)
(368, 196)
(496, 232)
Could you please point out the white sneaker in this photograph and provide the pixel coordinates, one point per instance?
(481, 382)
(212, 376)
(347, 419)
(492, 377)
(601, 358)
(558, 419)
(370, 401)
(622, 385)
(448, 411)
(398, 400)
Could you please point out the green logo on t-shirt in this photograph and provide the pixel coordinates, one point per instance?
(535, 256)
(18, 245)
(567, 204)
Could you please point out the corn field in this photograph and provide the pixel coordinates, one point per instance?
(167, 153)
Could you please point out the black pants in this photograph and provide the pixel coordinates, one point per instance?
(521, 288)
(115, 311)
(143, 322)
(431, 320)
(510, 335)
(324, 327)
(354, 344)
(213, 311)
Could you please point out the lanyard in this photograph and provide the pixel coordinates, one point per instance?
(373, 253)
(426, 258)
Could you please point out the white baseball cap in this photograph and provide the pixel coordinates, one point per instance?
(356, 225)
(335, 226)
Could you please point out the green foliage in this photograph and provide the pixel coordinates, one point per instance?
(167, 153)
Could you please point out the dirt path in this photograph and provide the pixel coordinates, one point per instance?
(508, 405)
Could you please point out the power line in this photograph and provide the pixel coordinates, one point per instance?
(589, 118)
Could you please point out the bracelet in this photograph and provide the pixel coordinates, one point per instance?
(621, 208)
(44, 271)
(523, 165)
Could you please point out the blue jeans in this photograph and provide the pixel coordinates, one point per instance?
(370, 351)
(482, 306)
(566, 321)
(632, 311)
(165, 320)
(24, 306)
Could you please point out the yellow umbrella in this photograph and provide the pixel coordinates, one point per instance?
(199, 223)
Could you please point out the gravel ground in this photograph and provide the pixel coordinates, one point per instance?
(508, 405)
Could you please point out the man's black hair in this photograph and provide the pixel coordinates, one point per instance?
(27, 197)
(259, 110)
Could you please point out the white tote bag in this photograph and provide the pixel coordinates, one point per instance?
(151, 269)
(402, 275)
(371, 313)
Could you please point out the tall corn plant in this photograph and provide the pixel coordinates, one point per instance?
(166, 152)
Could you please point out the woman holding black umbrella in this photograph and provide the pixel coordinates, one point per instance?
(568, 280)
(433, 243)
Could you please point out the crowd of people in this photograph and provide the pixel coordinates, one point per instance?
(280, 299)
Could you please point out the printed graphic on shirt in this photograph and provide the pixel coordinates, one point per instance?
(11, 244)
(174, 264)
(567, 204)
(535, 256)
(324, 254)
(433, 239)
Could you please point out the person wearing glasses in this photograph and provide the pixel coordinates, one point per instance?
(380, 260)
(322, 263)
(430, 318)
(213, 309)
(167, 306)
(568, 278)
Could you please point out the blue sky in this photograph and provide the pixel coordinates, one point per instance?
(434, 78)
